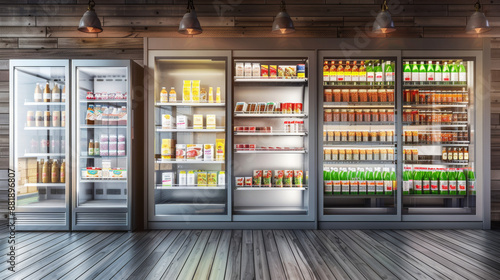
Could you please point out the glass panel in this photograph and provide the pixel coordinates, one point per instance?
(190, 135)
(359, 141)
(438, 127)
(40, 109)
(270, 105)
(103, 120)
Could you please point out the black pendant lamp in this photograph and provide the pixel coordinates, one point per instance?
(383, 22)
(90, 23)
(189, 24)
(477, 23)
(283, 24)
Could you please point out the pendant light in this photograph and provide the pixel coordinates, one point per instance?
(90, 23)
(477, 22)
(282, 23)
(383, 22)
(189, 24)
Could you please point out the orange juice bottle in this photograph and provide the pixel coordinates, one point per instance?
(172, 95)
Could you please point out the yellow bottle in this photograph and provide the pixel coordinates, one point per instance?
(62, 175)
(47, 96)
(210, 95)
(172, 95)
(40, 171)
(45, 172)
(55, 172)
(163, 95)
(217, 96)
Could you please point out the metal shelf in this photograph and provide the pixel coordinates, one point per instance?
(359, 196)
(45, 185)
(358, 104)
(27, 103)
(178, 187)
(105, 157)
(269, 210)
(43, 155)
(456, 124)
(259, 188)
(270, 134)
(268, 115)
(359, 162)
(178, 104)
(102, 126)
(430, 106)
(277, 80)
(354, 143)
(104, 101)
(271, 152)
(434, 162)
(466, 143)
(191, 130)
(361, 123)
(189, 162)
(101, 180)
(44, 128)
(433, 196)
(356, 85)
(432, 85)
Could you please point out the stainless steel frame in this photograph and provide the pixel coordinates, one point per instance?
(40, 218)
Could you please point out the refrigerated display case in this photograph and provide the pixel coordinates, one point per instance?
(188, 174)
(358, 148)
(271, 127)
(104, 166)
(39, 137)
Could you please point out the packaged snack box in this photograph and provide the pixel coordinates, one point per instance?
(180, 151)
(288, 178)
(240, 181)
(194, 151)
(273, 71)
(182, 178)
(195, 91)
(202, 179)
(220, 149)
(212, 178)
(167, 148)
(167, 179)
(208, 152)
(222, 178)
(256, 69)
(190, 178)
(267, 176)
(257, 178)
(248, 181)
(301, 71)
(264, 71)
(186, 91)
(281, 71)
(240, 69)
(118, 173)
(166, 121)
(298, 178)
(211, 122)
(198, 121)
(182, 122)
(278, 178)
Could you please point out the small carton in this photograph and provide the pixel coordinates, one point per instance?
(257, 178)
(256, 69)
(212, 178)
(180, 151)
(186, 91)
(301, 71)
(182, 122)
(195, 91)
(218, 96)
(298, 178)
(167, 179)
(273, 71)
(248, 181)
(194, 151)
(267, 176)
(202, 179)
(264, 71)
(167, 148)
(91, 172)
(248, 69)
(190, 178)
(166, 121)
(211, 122)
(281, 71)
(278, 178)
(288, 178)
(118, 173)
(222, 178)
(220, 149)
(240, 181)
(208, 152)
(198, 121)
(182, 178)
(290, 71)
(240, 69)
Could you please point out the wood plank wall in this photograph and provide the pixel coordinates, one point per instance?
(47, 29)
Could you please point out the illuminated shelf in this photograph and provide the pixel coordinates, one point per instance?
(270, 134)
(189, 161)
(44, 103)
(191, 130)
(260, 188)
(190, 104)
(45, 185)
(43, 155)
(269, 115)
(358, 105)
(354, 143)
(360, 123)
(101, 126)
(184, 187)
(359, 162)
(282, 151)
(100, 180)
(44, 128)
(104, 101)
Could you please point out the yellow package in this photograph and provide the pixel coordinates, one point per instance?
(202, 179)
(217, 96)
(220, 149)
(167, 148)
(212, 178)
(186, 91)
(198, 121)
(211, 123)
(195, 91)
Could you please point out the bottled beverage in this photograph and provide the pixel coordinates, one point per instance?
(63, 94)
(379, 74)
(435, 182)
(389, 73)
(379, 183)
(462, 73)
(327, 183)
(452, 182)
(394, 181)
(455, 155)
(56, 94)
(218, 96)
(426, 183)
(387, 183)
(203, 95)
(466, 154)
(407, 72)
(89, 118)
(362, 73)
(38, 97)
(172, 95)
(333, 72)
(337, 186)
(353, 181)
(97, 149)
(40, 171)
(210, 95)
(444, 154)
(46, 172)
(355, 72)
(62, 174)
(344, 180)
(454, 73)
(370, 182)
(471, 182)
(370, 73)
(446, 73)
(47, 119)
(91, 147)
(47, 95)
(438, 72)
(55, 172)
(461, 183)
(461, 154)
(450, 154)
(430, 72)
(326, 71)
(361, 182)
(340, 73)
(422, 72)
(407, 182)
(414, 72)
(417, 182)
(443, 183)
(163, 95)
(348, 72)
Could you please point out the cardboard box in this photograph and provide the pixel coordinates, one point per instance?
(222, 178)
(211, 122)
(198, 121)
(186, 91)
(212, 178)
(208, 152)
(195, 91)
(180, 151)
(167, 179)
(167, 148)
(166, 121)
(118, 173)
(190, 178)
(182, 178)
(182, 122)
(220, 149)
(202, 179)
(194, 151)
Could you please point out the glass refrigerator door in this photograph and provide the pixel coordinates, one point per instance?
(271, 144)
(102, 144)
(359, 137)
(190, 180)
(40, 96)
(438, 128)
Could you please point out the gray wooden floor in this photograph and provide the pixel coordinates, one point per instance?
(255, 254)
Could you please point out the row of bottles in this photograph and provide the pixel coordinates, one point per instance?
(48, 95)
(358, 181)
(50, 171)
(377, 72)
(439, 181)
(451, 72)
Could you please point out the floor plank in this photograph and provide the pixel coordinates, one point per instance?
(220, 260)
(290, 265)
(247, 264)
(260, 259)
(234, 258)
(207, 258)
(276, 270)
(191, 263)
(175, 267)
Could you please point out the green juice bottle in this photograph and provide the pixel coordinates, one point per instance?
(422, 72)
(462, 74)
(379, 74)
(344, 180)
(471, 182)
(454, 73)
(407, 72)
(327, 183)
(417, 183)
(462, 183)
(394, 180)
(389, 73)
(361, 181)
(430, 72)
(379, 183)
(334, 175)
(387, 183)
(370, 182)
(414, 72)
(446, 74)
(438, 73)
(443, 183)
(435, 182)
(426, 183)
(353, 181)
(406, 182)
(452, 182)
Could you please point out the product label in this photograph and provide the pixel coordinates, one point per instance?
(56, 96)
(425, 185)
(362, 186)
(371, 186)
(336, 186)
(430, 76)
(407, 76)
(362, 76)
(446, 77)
(454, 77)
(434, 185)
(379, 77)
(47, 95)
(407, 185)
(379, 186)
(443, 186)
(417, 185)
(354, 186)
(328, 186)
(370, 76)
(414, 76)
(389, 76)
(452, 185)
(462, 186)
(462, 77)
(422, 77)
(388, 186)
(38, 96)
(345, 186)
(438, 76)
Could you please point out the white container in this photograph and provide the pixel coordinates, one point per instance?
(167, 179)
(240, 69)
(182, 122)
